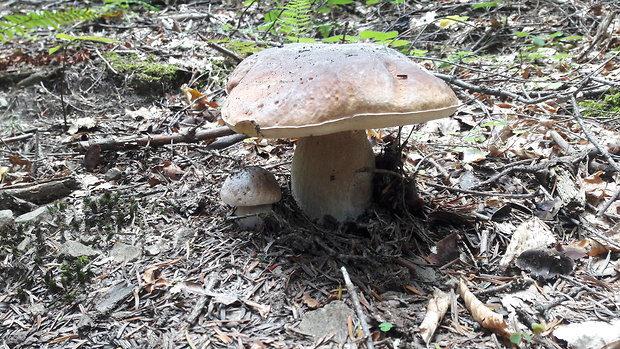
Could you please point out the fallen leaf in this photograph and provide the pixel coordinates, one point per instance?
(481, 313)
(310, 301)
(532, 233)
(198, 99)
(545, 263)
(437, 307)
(447, 250)
(589, 334)
(92, 158)
(609, 243)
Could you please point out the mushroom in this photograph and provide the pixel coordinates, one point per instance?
(327, 95)
(251, 190)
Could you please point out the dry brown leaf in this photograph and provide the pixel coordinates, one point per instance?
(437, 307)
(310, 301)
(92, 158)
(481, 313)
(600, 246)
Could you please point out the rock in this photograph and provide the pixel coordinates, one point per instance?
(6, 218)
(331, 319)
(113, 174)
(125, 253)
(115, 296)
(36, 215)
(76, 249)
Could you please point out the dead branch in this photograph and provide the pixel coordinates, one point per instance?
(482, 193)
(602, 29)
(191, 136)
(358, 307)
(38, 193)
(16, 138)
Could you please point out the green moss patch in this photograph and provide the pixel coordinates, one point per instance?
(608, 106)
(146, 76)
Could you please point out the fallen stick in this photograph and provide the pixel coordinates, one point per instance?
(16, 138)
(358, 308)
(191, 136)
(38, 193)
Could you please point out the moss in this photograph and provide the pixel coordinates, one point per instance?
(146, 76)
(609, 105)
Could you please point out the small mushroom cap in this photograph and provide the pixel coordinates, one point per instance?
(250, 186)
(301, 90)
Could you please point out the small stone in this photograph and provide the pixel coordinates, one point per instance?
(152, 250)
(6, 218)
(125, 253)
(331, 319)
(115, 296)
(36, 215)
(37, 309)
(22, 246)
(77, 249)
(113, 174)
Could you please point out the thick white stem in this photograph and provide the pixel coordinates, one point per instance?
(332, 175)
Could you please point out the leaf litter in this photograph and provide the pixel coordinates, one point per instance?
(200, 281)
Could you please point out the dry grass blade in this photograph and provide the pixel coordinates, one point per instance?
(481, 313)
(437, 308)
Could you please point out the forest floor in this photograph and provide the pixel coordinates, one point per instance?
(113, 234)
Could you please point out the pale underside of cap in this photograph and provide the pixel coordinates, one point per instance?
(304, 90)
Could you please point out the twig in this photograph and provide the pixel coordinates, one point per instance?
(482, 193)
(358, 307)
(190, 136)
(602, 151)
(223, 50)
(16, 138)
(495, 92)
(602, 29)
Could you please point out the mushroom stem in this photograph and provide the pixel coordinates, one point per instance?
(251, 222)
(332, 175)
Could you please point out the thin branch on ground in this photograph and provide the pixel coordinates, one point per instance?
(358, 307)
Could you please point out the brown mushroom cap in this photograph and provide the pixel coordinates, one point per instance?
(301, 90)
(250, 186)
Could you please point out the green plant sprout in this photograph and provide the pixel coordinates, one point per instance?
(386, 326)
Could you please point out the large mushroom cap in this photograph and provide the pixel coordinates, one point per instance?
(250, 186)
(301, 90)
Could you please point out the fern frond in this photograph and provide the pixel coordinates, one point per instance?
(21, 25)
(296, 17)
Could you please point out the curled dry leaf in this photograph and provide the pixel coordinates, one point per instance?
(481, 313)
(437, 308)
(532, 233)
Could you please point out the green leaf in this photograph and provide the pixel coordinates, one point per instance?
(538, 41)
(379, 36)
(86, 38)
(573, 37)
(522, 34)
(538, 328)
(385, 326)
(561, 56)
(339, 2)
(372, 2)
(486, 5)
(515, 338)
(54, 49)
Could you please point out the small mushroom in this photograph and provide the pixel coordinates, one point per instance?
(251, 190)
(327, 95)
